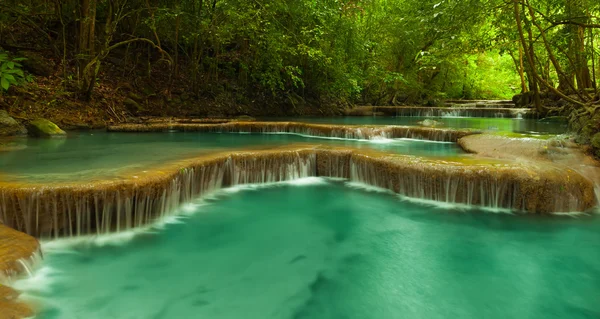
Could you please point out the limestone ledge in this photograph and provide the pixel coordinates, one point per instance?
(540, 149)
(320, 130)
(70, 209)
(16, 249)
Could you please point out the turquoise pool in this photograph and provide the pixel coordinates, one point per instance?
(477, 123)
(100, 154)
(319, 248)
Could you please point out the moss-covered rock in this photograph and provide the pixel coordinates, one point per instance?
(10, 127)
(44, 128)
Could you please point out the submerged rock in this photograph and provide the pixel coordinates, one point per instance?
(9, 126)
(430, 123)
(44, 128)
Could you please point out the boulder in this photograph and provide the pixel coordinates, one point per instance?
(36, 64)
(44, 128)
(10, 127)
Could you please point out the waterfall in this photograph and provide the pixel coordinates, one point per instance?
(318, 130)
(494, 111)
(104, 207)
(74, 210)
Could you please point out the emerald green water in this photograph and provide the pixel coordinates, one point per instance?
(108, 155)
(318, 249)
(476, 123)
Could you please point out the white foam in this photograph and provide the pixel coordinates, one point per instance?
(427, 202)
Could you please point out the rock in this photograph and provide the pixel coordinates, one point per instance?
(430, 123)
(36, 64)
(44, 128)
(9, 126)
(132, 106)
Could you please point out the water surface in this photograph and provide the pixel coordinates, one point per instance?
(104, 155)
(477, 123)
(322, 250)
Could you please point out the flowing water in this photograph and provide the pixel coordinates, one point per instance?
(316, 248)
(486, 124)
(102, 155)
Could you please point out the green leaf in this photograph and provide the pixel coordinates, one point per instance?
(10, 64)
(8, 77)
(4, 82)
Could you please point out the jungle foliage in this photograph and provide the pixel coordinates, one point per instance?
(322, 52)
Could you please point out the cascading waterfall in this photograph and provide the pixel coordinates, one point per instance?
(104, 208)
(457, 111)
(74, 210)
(318, 130)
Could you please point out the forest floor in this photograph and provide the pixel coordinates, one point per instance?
(120, 97)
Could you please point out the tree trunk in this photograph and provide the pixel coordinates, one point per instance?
(575, 11)
(87, 39)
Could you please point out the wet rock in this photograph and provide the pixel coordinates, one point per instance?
(44, 128)
(9, 126)
(36, 64)
(430, 123)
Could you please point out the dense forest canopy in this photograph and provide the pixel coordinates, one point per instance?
(321, 52)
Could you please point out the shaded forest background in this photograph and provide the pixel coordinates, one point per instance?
(113, 59)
